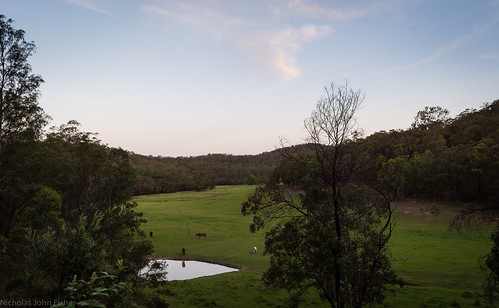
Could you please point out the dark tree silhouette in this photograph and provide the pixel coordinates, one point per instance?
(332, 226)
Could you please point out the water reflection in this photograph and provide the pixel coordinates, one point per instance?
(171, 270)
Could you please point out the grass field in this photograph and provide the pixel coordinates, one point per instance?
(440, 266)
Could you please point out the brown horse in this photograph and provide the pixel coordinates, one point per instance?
(201, 234)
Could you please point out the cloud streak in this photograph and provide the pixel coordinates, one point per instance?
(279, 49)
(454, 45)
(311, 9)
(274, 45)
(89, 5)
(196, 17)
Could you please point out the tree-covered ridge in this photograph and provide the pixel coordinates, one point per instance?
(168, 174)
(438, 156)
(445, 158)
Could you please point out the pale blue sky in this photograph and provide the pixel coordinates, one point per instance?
(181, 78)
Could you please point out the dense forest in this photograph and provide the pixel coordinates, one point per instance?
(168, 174)
(446, 158)
(437, 157)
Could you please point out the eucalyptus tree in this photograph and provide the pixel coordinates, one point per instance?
(21, 121)
(23, 203)
(330, 228)
(21, 118)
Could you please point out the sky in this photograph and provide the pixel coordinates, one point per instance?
(193, 77)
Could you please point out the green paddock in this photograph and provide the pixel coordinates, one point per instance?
(440, 266)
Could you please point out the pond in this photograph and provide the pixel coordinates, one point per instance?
(170, 270)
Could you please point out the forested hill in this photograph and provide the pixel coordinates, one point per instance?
(445, 158)
(168, 174)
(441, 157)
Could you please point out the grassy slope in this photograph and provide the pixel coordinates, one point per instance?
(441, 266)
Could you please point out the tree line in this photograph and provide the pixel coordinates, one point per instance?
(169, 174)
(439, 157)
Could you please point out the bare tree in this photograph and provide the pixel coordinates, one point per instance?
(333, 122)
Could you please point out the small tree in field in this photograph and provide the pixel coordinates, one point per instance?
(330, 228)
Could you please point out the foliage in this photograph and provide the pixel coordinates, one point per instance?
(100, 290)
(252, 180)
(156, 272)
(431, 116)
(491, 265)
(56, 256)
(447, 159)
(21, 119)
(78, 220)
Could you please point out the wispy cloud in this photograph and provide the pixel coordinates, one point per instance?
(89, 5)
(274, 44)
(279, 49)
(196, 16)
(314, 10)
(306, 8)
(345, 12)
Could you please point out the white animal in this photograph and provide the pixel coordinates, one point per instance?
(255, 251)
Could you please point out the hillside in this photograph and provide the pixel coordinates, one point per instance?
(440, 157)
(168, 174)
